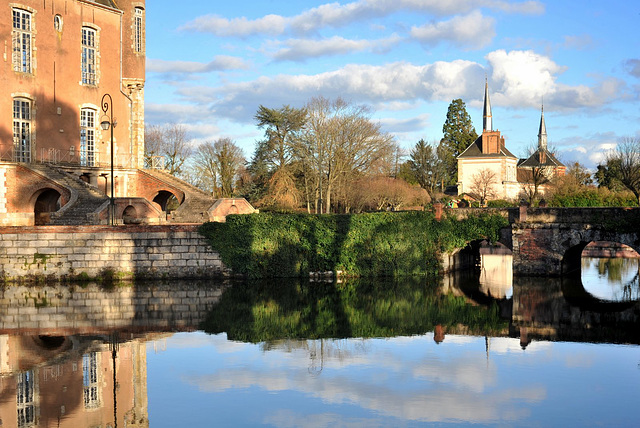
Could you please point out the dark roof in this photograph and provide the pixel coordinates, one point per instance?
(475, 151)
(534, 160)
(108, 3)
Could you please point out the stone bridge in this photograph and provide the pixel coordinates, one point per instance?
(550, 241)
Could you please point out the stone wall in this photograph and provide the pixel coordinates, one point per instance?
(65, 310)
(99, 251)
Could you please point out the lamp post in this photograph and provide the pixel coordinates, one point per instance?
(107, 123)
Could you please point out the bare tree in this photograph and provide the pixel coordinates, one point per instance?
(537, 172)
(170, 142)
(627, 156)
(483, 185)
(339, 144)
(218, 165)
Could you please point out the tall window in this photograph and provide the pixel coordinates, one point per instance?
(22, 41)
(88, 56)
(90, 380)
(87, 137)
(138, 30)
(25, 400)
(22, 130)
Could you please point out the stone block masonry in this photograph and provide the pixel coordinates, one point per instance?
(58, 252)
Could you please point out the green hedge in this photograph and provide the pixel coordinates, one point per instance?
(367, 245)
(594, 198)
(269, 311)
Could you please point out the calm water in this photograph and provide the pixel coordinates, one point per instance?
(482, 350)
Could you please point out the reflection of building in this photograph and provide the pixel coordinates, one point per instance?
(487, 163)
(496, 271)
(70, 382)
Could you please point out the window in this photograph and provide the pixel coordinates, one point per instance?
(22, 130)
(22, 41)
(87, 137)
(90, 380)
(138, 30)
(88, 56)
(25, 392)
(57, 23)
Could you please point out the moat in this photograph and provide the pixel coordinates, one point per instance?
(478, 348)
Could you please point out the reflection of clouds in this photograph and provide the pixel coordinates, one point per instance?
(289, 419)
(425, 405)
(505, 345)
(410, 382)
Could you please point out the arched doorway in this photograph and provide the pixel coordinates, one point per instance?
(47, 202)
(130, 215)
(167, 201)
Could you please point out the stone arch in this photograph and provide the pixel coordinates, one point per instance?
(163, 199)
(45, 202)
(572, 258)
(129, 215)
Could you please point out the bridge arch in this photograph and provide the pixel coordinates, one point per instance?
(166, 200)
(45, 201)
(572, 258)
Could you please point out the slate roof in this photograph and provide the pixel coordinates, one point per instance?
(534, 160)
(475, 151)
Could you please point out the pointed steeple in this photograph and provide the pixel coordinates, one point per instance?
(542, 133)
(487, 119)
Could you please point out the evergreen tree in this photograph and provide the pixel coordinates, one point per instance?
(459, 133)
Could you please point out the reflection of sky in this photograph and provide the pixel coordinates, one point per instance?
(197, 379)
(605, 278)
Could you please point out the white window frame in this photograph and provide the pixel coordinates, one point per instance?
(138, 30)
(88, 136)
(89, 56)
(90, 390)
(22, 129)
(25, 399)
(22, 40)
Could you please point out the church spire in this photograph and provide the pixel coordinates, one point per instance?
(542, 133)
(487, 124)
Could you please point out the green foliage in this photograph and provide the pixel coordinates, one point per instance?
(367, 245)
(459, 133)
(261, 312)
(501, 203)
(592, 197)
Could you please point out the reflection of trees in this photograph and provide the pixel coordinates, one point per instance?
(266, 312)
(616, 271)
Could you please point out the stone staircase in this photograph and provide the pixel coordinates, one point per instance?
(195, 208)
(85, 201)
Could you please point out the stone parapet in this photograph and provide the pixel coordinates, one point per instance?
(58, 252)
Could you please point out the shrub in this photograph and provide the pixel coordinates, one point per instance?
(368, 245)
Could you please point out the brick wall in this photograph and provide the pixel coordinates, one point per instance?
(140, 251)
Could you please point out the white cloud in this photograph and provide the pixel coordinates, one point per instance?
(219, 63)
(301, 49)
(339, 15)
(238, 27)
(473, 30)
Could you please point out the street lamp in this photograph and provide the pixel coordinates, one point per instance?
(107, 123)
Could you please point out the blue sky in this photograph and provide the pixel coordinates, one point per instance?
(211, 64)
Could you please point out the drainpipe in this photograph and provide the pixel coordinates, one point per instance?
(121, 91)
